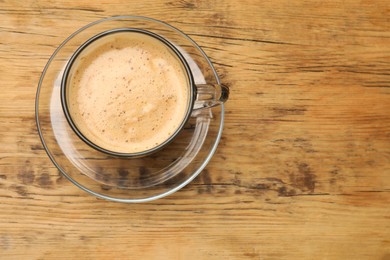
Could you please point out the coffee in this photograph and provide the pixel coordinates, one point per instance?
(127, 92)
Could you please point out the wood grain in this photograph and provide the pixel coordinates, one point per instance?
(303, 167)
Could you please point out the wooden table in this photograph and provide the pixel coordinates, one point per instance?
(303, 167)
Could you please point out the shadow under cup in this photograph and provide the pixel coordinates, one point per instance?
(199, 96)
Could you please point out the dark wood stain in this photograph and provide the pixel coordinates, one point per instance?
(262, 186)
(27, 176)
(143, 171)
(123, 173)
(21, 190)
(98, 175)
(84, 238)
(304, 179)
(143, 175)
(274, 180)
(123, 177)
(206, 179)
(236, 181)
(37, 147)
(334, 172)
(106, 177)
(240, 39)
(285, 192)
(92, 10)
(205, 176)
(182, 4)
(309, 179)
(288, 111)
(105, 187)
(45, 181)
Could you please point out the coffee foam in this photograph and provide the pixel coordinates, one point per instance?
(128, 92)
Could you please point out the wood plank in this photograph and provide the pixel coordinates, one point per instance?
(303, 167)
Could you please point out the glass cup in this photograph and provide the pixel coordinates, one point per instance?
(201, 96)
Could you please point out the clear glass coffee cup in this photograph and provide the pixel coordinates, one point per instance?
(201, 96)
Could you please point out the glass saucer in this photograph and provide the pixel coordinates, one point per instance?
(127, 179)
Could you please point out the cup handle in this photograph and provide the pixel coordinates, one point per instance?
(210, 95)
